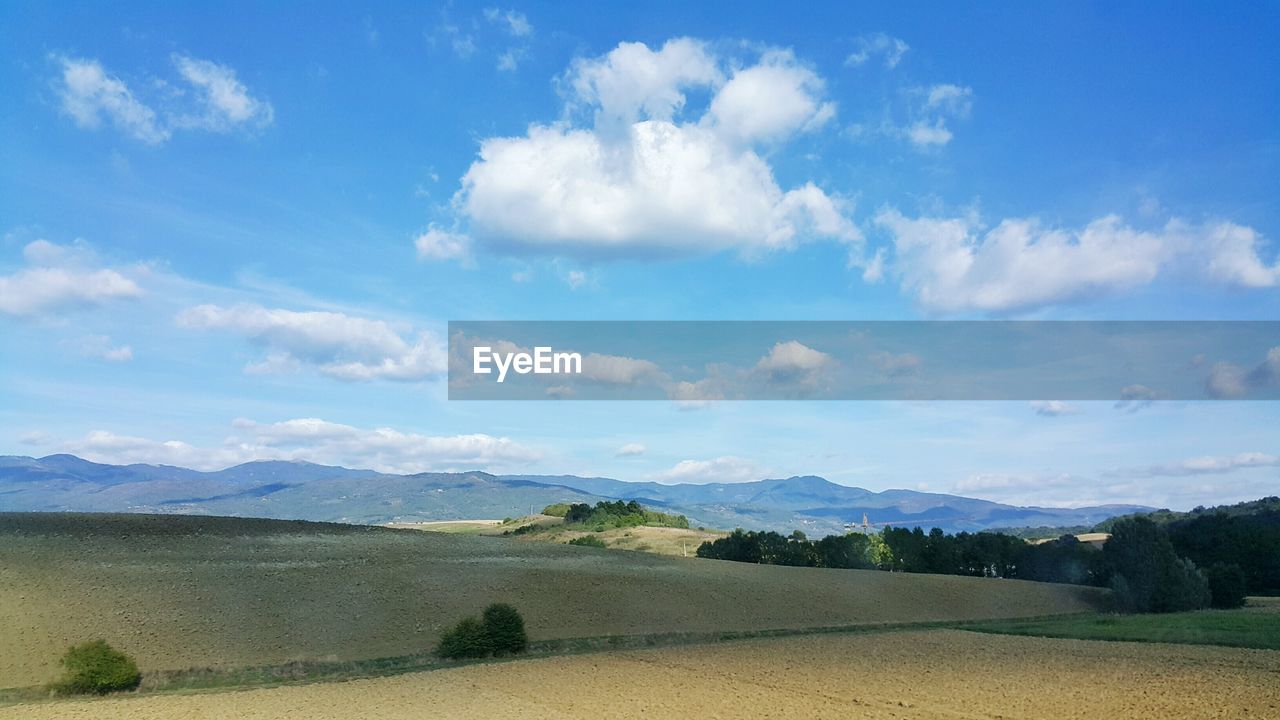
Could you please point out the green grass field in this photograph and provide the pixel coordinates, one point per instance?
(1257, 626)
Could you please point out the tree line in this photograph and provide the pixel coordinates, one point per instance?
(1203, 559)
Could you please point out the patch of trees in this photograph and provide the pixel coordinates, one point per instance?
(499, 631)
(96, 668)
(1230, 545)
(1147, 569)
(983, 554)
(587, 541)
(770, 548)
(1146, 574)
(615, 514)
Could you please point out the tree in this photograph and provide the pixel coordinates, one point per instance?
(505, 628)
(1146, 575)
(1227, 585)
(96, 667)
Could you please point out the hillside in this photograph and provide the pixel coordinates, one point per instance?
(180, 592)
(299, 490)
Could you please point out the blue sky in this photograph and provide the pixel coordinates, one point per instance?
(238, 232)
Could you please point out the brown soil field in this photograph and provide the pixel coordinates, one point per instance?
(178, 592)
(931, 674)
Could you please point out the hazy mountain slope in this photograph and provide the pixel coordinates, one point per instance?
(300, 490)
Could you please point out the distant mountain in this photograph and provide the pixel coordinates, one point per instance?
(306, 491)
(810, 502)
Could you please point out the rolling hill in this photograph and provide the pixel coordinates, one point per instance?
(192, 592)
(306, 491)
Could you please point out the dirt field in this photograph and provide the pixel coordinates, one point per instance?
(935, 674)
(208, 592)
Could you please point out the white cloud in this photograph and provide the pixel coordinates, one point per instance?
(769, 101)
(727, 469)
(314, 440)
(576, 279)
(57, 280)
(631, 450)
(923, 134)
(221, 103)
(633, 82)
(1136, 397)
(338, 345)
(896, 365)
(951, 99)
(1204, 465)
(619, 370)
(510, 59)
(225, 103)
(1228, 380)
(934, 107)
(512, 22)
(951, 265)
(1053, 408)
(101, 348)
(878, 44)
(437, 244)
(641, 180)
(791, 357)
(89, 94)
(1232, 252)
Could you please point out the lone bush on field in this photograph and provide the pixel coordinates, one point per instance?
(467, 639)
(501, 632)
(505, 628)
(588, 541)
(96, 667)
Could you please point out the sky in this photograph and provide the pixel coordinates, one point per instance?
(238, 232)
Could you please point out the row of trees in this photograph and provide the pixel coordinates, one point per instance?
(1141, 562)
(852, 551)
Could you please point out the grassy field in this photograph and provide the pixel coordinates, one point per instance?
(1254, 627)
(916, 675)
(680, 542)
(183, 592)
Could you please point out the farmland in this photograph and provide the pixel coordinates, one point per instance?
(180, 592)
(929, 674)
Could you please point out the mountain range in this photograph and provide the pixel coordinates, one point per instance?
(306, 491)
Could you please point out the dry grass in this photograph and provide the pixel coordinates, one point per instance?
(202, 594)
(933, 674)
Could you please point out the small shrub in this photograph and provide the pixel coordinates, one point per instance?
(96, 667)
(505, 628)
(501, 632)
(587, 541)
(467, 639)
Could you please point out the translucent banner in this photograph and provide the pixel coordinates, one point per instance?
(1129, 363)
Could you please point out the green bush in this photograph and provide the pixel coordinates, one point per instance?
(556, 510)
(96, 667)
(467, 639)
(505, 628)
(587, 541)
(501, 632)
